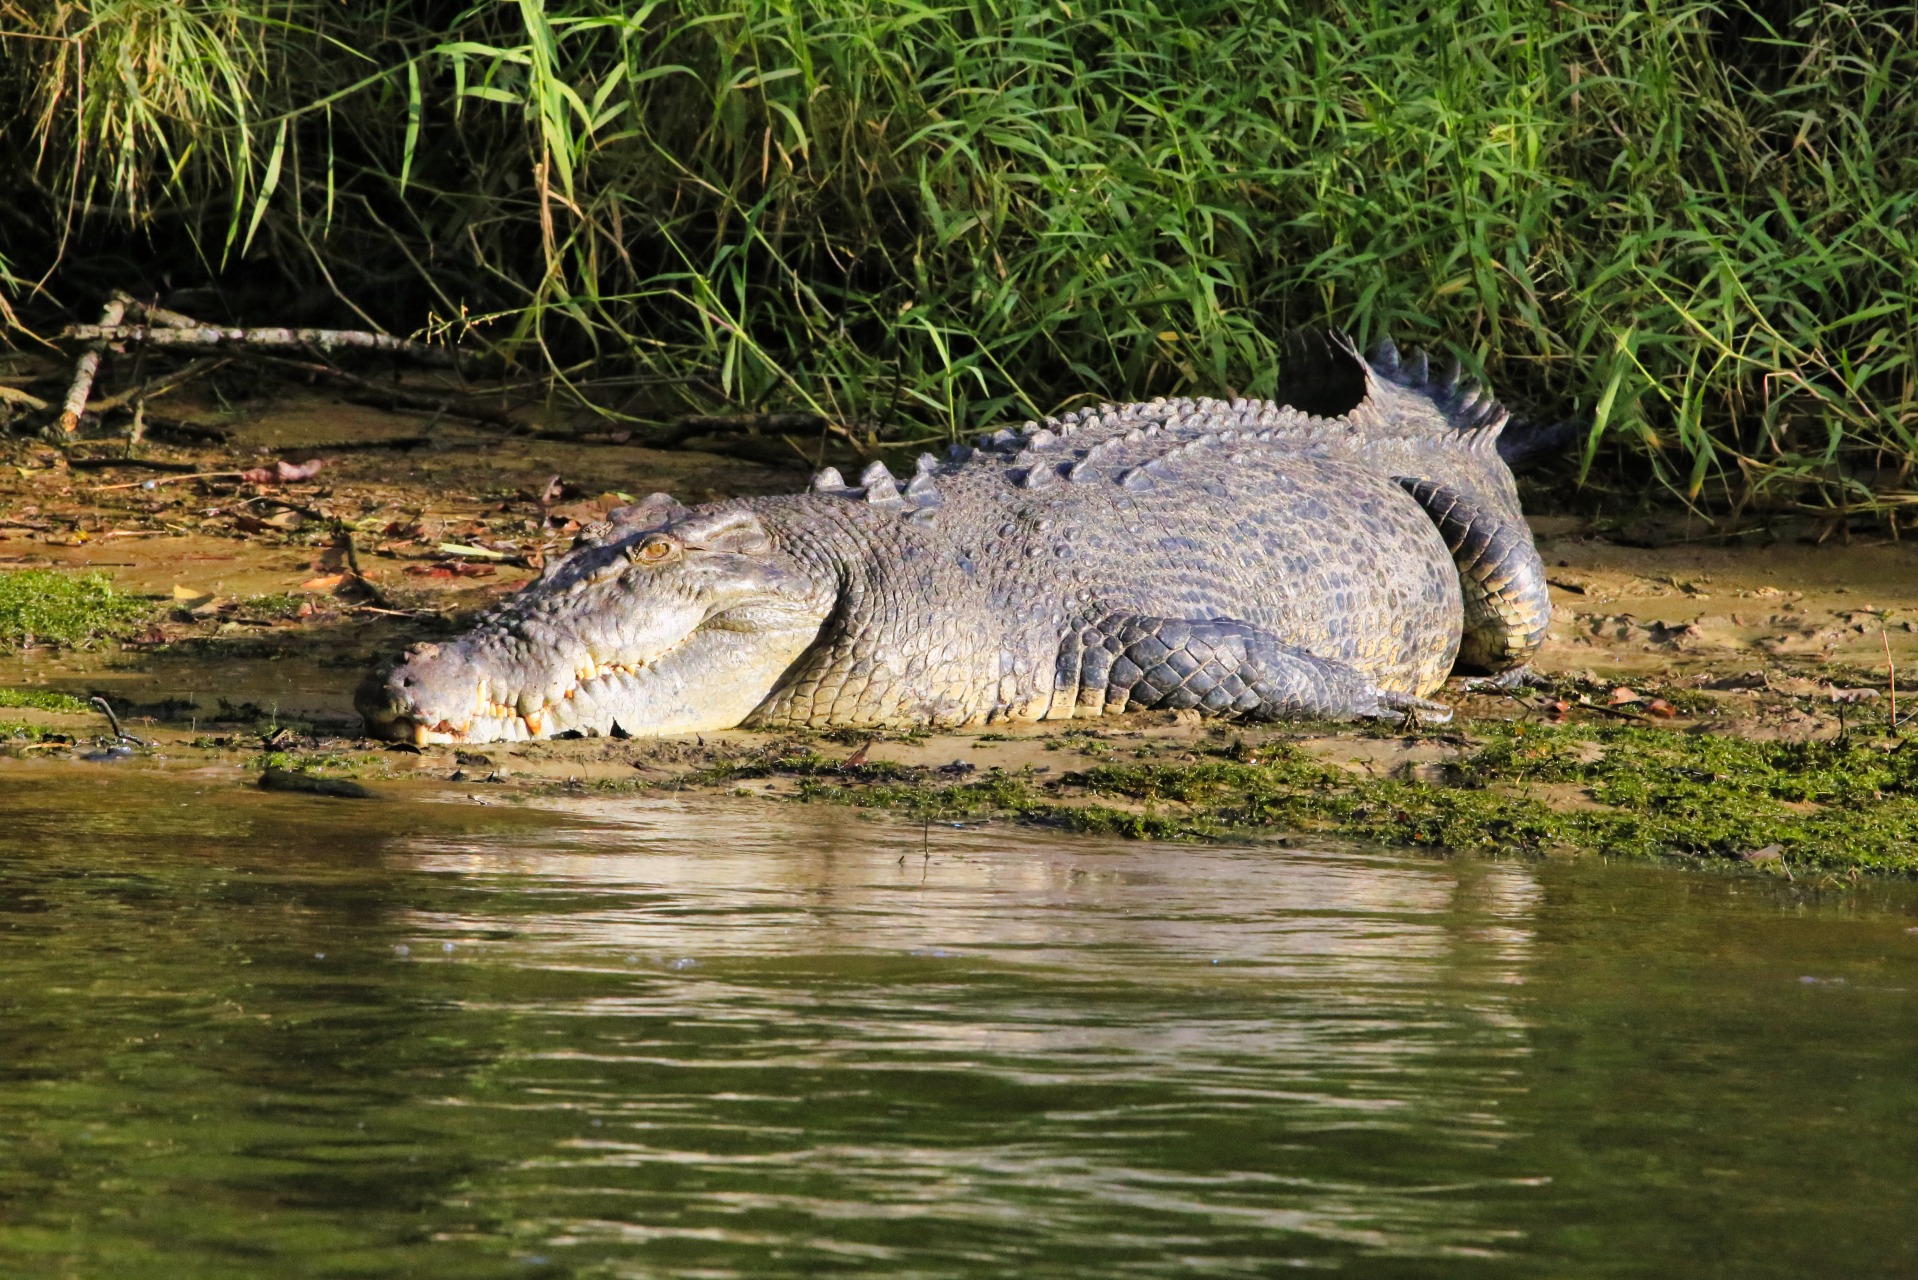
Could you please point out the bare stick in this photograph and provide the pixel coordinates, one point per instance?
(192, 475)
(1891, 677)
(216, 336)
(343, 539)
(88, 366)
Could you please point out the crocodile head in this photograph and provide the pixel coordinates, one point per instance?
(663, 621)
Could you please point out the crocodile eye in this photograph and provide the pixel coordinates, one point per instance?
(656, 549)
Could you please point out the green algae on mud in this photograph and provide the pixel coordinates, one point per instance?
(1831, 804)
(45, 606)
(42, 700)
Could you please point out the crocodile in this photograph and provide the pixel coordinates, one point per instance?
(1335, 552)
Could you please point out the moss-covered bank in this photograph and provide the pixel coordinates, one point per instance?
(1845, 803)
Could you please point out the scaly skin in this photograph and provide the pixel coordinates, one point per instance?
(1248, 558)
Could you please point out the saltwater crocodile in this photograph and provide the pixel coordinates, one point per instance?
(1331, 553)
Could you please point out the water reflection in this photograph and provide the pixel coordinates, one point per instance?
(247, 1033)
(1061, 1053)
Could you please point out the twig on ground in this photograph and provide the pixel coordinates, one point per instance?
(196, 475)
(400, 397)
(1620, 712)
(87, 367)
(13, 395)
(714, 424)
(392, 613)
(161, 385)
(121, 734)
(343, 539)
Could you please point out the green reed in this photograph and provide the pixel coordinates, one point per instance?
(1690, 223)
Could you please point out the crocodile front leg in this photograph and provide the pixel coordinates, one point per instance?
(1129, 662)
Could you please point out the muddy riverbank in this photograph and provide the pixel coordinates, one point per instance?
(1730, 702)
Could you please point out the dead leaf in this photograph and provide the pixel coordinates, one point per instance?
(1622, 695)
(1561, 710)
(284, 472)
(1660, 707)
(327, 582)
(466, 549)
(187, 597)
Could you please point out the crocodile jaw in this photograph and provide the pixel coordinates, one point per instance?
(673, 630)
(711, 679)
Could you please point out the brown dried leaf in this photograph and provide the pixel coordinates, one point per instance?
(284, 472)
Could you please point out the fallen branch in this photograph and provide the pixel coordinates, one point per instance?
(181, 429)
(362, 446)
(147, 464)
(13, 395)
(161, 385)
(112, 331)
(391, 397)
(709, 424)
(88, 367)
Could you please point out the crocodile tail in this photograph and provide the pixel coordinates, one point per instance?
(1387, 394)
(1466, 407)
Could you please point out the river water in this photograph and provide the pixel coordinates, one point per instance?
(249, 1034)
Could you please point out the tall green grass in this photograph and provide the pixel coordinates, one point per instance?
(1689, 222)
